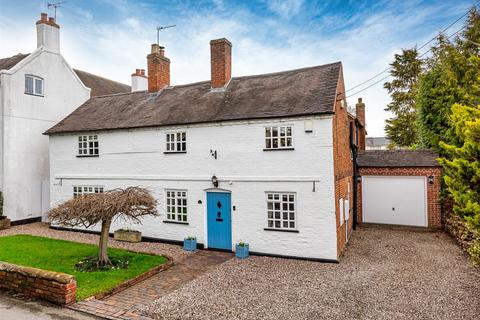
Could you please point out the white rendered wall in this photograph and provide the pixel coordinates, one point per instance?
(136, 158)
(24, 118)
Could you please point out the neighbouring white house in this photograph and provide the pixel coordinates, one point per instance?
(377, 143)
(36, 91)
(265, 159)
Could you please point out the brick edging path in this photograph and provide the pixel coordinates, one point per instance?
(126, 303)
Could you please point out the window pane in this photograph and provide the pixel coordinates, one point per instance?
(38, 86)
(275, 131)
(28, 84)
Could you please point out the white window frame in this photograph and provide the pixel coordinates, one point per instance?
(81, 190)
(176, 142)
(88, 145)
(35, 85)
(174, 215)
(269, 138)
(271, 210)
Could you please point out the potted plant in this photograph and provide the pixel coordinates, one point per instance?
(242, 250)
(4, 221)
(190, 243)
(127, 235)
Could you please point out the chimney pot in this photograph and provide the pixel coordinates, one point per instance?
(220, 62)
(158, 69)
(155, 48)
(43, 16)
(142, 72)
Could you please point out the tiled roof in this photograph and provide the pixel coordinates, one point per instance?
(99, 86)
(9, 62)
(307, 91)
(398, 158)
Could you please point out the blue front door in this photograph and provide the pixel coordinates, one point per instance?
(219, 220)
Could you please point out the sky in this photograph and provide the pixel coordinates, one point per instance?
(111, 38)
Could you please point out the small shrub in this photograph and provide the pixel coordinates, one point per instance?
(474, 252)
(465, 235)
(242, 244)
(91, 264)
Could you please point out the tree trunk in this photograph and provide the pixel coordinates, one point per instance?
(103, 245)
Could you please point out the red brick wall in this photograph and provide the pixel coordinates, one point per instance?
(434, 210)
(342, 161)
(221, 62)
(55, 287)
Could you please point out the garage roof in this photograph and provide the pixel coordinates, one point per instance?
(398, 158)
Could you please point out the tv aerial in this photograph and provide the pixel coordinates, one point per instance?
(55, 5)
(160, 28)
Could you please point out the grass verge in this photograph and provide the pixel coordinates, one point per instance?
(61, 256)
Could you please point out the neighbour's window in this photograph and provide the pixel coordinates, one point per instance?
(281, 210)
(278, 137)
(88, 145)
(79, 190)
(176, 205)
(176, 142)
(33, 85)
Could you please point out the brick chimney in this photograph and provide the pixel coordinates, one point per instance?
(360, 113)
(139, 80)
(221, 62)
(158, 69)
(48, 33)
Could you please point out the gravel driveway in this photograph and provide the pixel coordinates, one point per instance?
(385, 274)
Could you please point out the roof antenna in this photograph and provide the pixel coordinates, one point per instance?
(55, 5)
(159, 28)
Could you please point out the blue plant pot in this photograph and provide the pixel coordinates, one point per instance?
(242, 252)
(190, 245)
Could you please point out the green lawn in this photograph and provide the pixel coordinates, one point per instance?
(61, 256)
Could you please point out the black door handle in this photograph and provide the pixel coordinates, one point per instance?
(219, 219)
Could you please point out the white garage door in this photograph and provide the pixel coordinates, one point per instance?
(394, 200)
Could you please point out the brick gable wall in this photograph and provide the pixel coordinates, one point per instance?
(343, 167)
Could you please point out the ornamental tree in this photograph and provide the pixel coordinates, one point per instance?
(405, 69)
(462, 166)
(129, 204)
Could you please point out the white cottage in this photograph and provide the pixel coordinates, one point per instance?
(36, 91)
(264, 159)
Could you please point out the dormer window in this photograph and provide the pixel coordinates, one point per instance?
(176, 142)
(279, 138)
(33, 85)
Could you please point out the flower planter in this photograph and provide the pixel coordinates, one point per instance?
(127, 235)
(190, 244)
(242, 251)
(4, 223)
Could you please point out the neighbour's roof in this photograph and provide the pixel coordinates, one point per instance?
(9, 62)
(398, 158)
(307, 91)
(99, 86)
(377, 141)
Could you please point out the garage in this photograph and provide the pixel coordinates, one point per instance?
(399, 187)
(394, 200)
